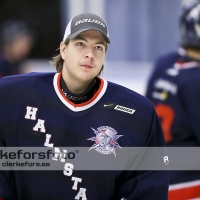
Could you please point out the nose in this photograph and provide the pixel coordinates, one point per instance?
(89, 54)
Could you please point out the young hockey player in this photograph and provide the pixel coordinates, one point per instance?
(77, 108)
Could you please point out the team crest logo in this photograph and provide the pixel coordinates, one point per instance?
(105, 140)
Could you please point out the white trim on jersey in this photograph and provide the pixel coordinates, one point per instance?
(187, 65)
(184, 185)
(82, 106)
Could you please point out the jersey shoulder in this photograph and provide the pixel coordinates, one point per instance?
(127, 96)
(190, 77)
(24, 82)
(167, 60)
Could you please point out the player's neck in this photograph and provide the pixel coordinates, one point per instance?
(87, 94)
(74, 85)
(193, 54)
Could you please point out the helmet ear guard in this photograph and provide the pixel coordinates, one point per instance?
(189, 27)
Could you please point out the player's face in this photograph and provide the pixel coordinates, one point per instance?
(83, 59)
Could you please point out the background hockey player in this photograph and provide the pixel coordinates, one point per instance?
(16, 43)
(174, 90)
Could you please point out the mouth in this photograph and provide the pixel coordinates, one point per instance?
(86, 66)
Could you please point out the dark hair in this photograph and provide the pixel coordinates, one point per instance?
(57, 60)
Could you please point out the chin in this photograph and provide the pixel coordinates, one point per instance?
(86, 77)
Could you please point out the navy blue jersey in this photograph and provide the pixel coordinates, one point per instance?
(173, 88)
(7, 68)
(161, 64)
(34, 112)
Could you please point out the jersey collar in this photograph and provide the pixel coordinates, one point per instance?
(83, 106)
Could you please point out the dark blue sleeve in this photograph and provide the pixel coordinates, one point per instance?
(7, 183)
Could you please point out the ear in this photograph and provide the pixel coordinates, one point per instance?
(62, 50)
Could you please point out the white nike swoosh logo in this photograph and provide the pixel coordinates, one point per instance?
(105, 105)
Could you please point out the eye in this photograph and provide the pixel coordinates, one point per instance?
(80, 44)
(99, 47)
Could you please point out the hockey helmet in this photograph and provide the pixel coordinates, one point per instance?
(190, 25)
